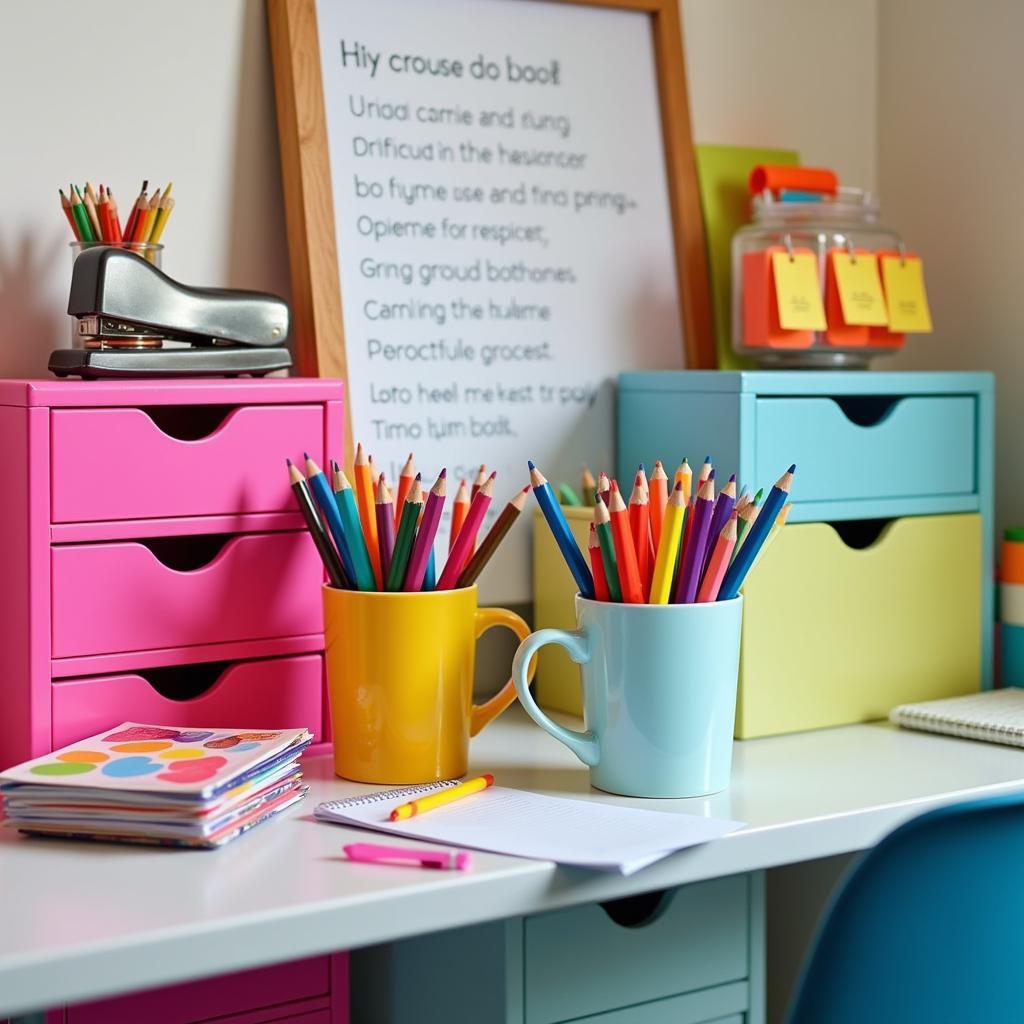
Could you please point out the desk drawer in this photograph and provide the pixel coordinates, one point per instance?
(149, 463)
(274, 693)
(865, 447)
(581, 961)
(128, 596)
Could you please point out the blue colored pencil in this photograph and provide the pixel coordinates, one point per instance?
(329, 510)
(756, 535)
(560, 530)
(693, 557)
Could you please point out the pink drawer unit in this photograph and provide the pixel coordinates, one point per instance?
(148, 463)
(273, 693)
(128, 596)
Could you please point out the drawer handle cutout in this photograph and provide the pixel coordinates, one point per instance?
(188, 422)
(186, 554)
(867, 410)
(638, 911)
(184, 682)
(860, 534)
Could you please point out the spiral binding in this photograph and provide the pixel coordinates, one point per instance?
(410, 792)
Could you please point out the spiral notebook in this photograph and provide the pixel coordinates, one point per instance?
(582, 833)
(995, 716)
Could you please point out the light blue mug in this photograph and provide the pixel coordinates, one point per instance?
(659, 694)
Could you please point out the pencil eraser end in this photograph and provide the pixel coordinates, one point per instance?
(463, 861)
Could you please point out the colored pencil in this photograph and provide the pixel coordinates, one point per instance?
(668, 549)
(696, 542)
(329, 510)
(747, 515)
(481, 479)
(405, 479)
(115, 220)
(81, 217)
(640, 528)
(659, 500)
(385, 512)
(460, 506)
(65, 205)
(89, 201)
(589, 487)
(719, 562)
(560, 529)
(163, 215)
(509, 514)
(464, 543)
(405, 536)
(603, 528)
(625, 551)
(684, 476)
(756, 535)
(567, 496)
(133, 216)
(367, 514)
(604, 487)
(705, 471)
(430, 576)
(725, 502)
(335, 572)
(601, 592)
(780, 522)
(346, 502)
(424, 542)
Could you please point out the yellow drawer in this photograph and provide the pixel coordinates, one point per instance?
(838, 631)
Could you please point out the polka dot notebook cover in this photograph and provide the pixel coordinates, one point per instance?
(147, 783)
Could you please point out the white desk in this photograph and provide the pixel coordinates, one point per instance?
(82, 921)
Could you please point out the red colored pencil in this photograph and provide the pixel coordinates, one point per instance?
(659, 499)
(463, 549)
(625, 551)
(405, 479)
(481, 478)
(65, 205)
(640, 527)
(597, 566)
(604, 487)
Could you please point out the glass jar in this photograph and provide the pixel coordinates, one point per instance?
(846, 221)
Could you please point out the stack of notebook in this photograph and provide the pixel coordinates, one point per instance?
(150, 784)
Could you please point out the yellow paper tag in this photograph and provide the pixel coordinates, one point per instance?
(905, 295)
(860, 289)
(798, 292)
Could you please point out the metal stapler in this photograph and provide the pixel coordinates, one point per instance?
(134, 321)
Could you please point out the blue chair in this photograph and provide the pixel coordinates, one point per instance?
(928, 926)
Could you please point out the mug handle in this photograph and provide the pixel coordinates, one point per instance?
(583, 744)
(488, 618)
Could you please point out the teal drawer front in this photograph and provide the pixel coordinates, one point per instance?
(725, 1005)
(580, 961)
(918, 446)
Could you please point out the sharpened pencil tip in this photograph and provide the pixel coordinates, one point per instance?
(305, 455)
(792, 469)
(444, 472)
(640, 468)
(732, 479)
(531, 464)
(289, 461)
(707, 458)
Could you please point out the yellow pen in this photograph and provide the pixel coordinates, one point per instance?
(444, 796)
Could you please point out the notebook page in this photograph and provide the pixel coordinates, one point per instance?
(583, 833)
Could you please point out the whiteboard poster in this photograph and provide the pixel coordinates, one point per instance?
(504, 236)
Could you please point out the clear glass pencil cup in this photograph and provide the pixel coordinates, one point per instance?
(152, 252)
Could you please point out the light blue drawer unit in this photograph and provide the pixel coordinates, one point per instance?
(693, 955)
(868, 446)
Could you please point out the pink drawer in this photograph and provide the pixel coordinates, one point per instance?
(274, 693)
(182, 591)
(217, 997)
(177, 460)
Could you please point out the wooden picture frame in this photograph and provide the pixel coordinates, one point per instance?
(318, 332)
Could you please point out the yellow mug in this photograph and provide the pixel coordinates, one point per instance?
(400, 681)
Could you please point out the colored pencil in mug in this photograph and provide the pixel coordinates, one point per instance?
(481, 479)
(115, 219)
(385, 513)
(405, 536)
(461, 553)
(668, 549)
(780, 522)
(589, 487)
(684, 476)
(756, 535)
(659, 500)
(603, 529)
(560, 530)
(721, 552)
(567, 496)
(625, 550)
(405, 479)
(424, 542)
(696, 542)
(81, 217)
(640, 527)
(65, 205)
(89, 200)
(460, 506)
(346, 502)
(725, 502)
(363, 472)
(604, 487)
(129, 226)
(483, 554)
(747, 514)
(703, 473)
(335, 570)
(601, 592)
(329, 510)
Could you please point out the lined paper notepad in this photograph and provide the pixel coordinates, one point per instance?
(996, 716)
(582, 833)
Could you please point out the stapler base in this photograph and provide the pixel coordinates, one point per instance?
(95, 364)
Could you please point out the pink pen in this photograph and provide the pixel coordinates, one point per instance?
(442, 860)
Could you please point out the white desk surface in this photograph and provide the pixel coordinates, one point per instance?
(80, 921)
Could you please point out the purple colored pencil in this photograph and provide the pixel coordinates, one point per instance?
(424, 542)
(385, 511)
(724, 504)
(693, 558)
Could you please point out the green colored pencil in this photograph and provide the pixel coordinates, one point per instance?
(78, 211)
(603, 526)
(346, 502)
(405, 536)
(745, 518)
(567, 496)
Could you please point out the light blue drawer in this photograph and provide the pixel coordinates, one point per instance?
(725, 1005)
(581, 961)
(911, 447)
